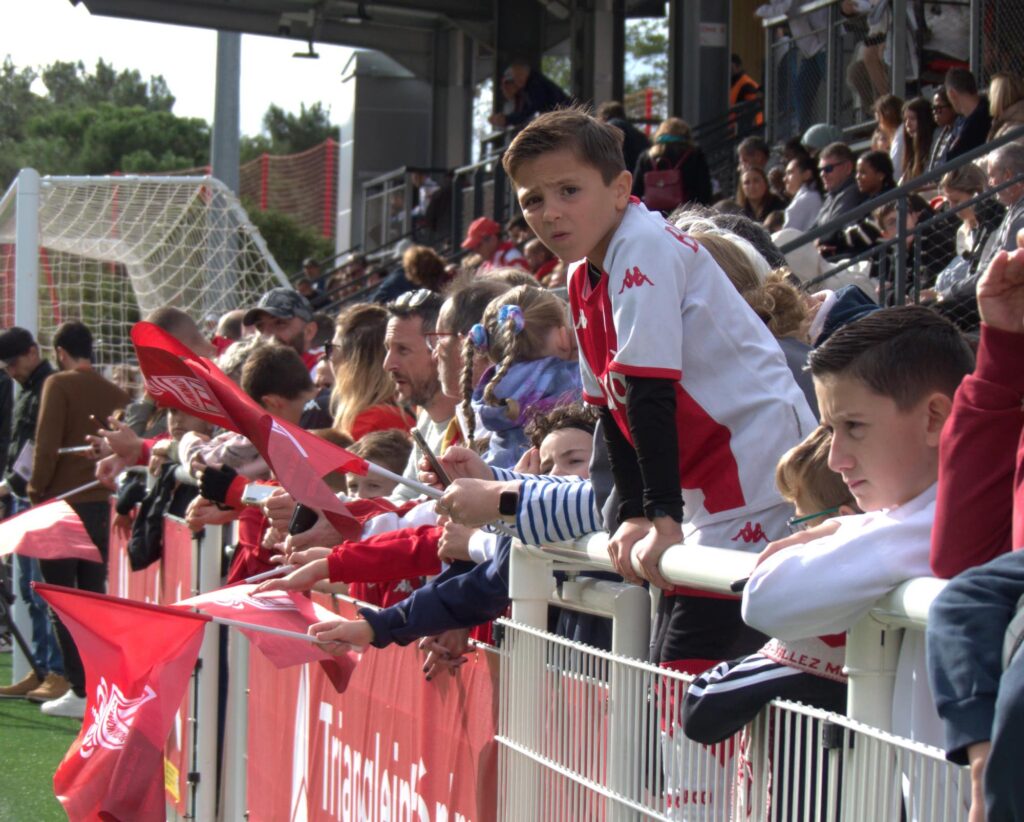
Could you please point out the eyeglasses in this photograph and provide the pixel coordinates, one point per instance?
(940, 107)
(796, 524)
(828, 168)
(433, 338)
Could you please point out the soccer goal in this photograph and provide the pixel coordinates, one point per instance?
(109, 250)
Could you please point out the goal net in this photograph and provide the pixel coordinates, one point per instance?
(112, 249)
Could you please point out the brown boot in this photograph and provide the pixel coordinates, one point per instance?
(20, 689)
(53, 687)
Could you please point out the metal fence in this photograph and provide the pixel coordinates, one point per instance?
(481, 189)
(590, 734)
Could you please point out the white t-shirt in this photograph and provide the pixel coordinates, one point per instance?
(665, 309)
(433, 433)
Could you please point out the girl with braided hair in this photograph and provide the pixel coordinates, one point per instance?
(526, 335)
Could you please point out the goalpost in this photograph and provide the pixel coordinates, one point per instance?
(109, 250)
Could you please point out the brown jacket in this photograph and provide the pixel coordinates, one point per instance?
(69, 399)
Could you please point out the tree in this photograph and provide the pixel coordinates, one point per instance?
(646, 53)
(93, 123)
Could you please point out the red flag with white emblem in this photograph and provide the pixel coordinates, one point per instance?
(48, 531)
(138, 659)
(178, 377)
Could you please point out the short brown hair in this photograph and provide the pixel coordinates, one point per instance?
(423, 267)
(275, 369)
(595, 143)
(904, 353)
(803, 474)
(389, 449)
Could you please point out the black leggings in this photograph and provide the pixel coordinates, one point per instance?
(86, 576)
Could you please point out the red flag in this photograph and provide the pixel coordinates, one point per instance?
(278, 609)
(178, 377)
(48, 531)
(286, 610)
(138, 659)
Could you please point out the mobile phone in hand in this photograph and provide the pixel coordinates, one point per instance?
(442, 476)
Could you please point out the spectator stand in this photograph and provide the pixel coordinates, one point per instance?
(719, 137)
(894, 271)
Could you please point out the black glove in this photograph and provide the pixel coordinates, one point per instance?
(214, 483)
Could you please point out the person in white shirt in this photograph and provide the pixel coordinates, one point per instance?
(803, 185)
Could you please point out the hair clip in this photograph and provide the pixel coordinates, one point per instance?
(512, 314)
(478, 337)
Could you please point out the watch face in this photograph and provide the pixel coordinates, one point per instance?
(508, 503)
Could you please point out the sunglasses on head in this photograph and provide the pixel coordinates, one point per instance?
(413, 299)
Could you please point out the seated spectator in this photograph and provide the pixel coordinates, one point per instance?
(918, 133)
(755, 196)
(1004, 164)
(728, 206)
(389, 449)
(307, 288)
(888, 112)
(532, 93)
(518, 231)
(484, 238)
(880, 140)
(725, 698)
(542, 261)
(975, 122)
(753, 152)
(874, 177)
(673, 171)
(885, 387)
(836, 165)
(937, 241)
(1005, 104)
(424, 268)
(979, 518)
(363, 399)
(774, 221)
(978, 231)
(804, 187)
(945, 119)
(634, 141)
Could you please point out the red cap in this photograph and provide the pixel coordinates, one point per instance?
(479, 230)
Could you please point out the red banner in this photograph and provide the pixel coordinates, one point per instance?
(392, 746)
(122, 581)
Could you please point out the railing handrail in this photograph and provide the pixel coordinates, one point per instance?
(716, 569)
(902, 191)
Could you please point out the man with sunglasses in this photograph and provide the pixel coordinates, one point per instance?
(411, 364)
(945, 118)
(836, 164)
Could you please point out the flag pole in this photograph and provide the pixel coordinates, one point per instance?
(384, 473)
(87, 487)
(263, 629)
(273, 572)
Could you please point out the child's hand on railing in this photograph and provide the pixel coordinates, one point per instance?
(301, 579)
(338, 636)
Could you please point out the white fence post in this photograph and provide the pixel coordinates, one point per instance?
(26, 315)
(206, 577)
(872, 652)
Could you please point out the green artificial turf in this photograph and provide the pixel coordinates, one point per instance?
(31, 747)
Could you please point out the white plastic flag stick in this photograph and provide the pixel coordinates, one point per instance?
(263, 629)
(273, 572)
(87, 487)
(384, 473)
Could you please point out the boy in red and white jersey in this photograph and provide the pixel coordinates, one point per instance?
(696, 399)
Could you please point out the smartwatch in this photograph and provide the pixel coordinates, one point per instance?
(508, 503)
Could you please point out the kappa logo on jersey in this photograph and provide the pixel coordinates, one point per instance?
(188, 390)
(112, 718)
(635, 277)
(751, 533)
(615, 389)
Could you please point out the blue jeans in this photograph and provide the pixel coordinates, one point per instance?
(44, 643)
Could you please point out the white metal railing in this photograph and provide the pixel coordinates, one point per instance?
(589, 734)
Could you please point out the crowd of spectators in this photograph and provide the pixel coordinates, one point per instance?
(825, 430)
